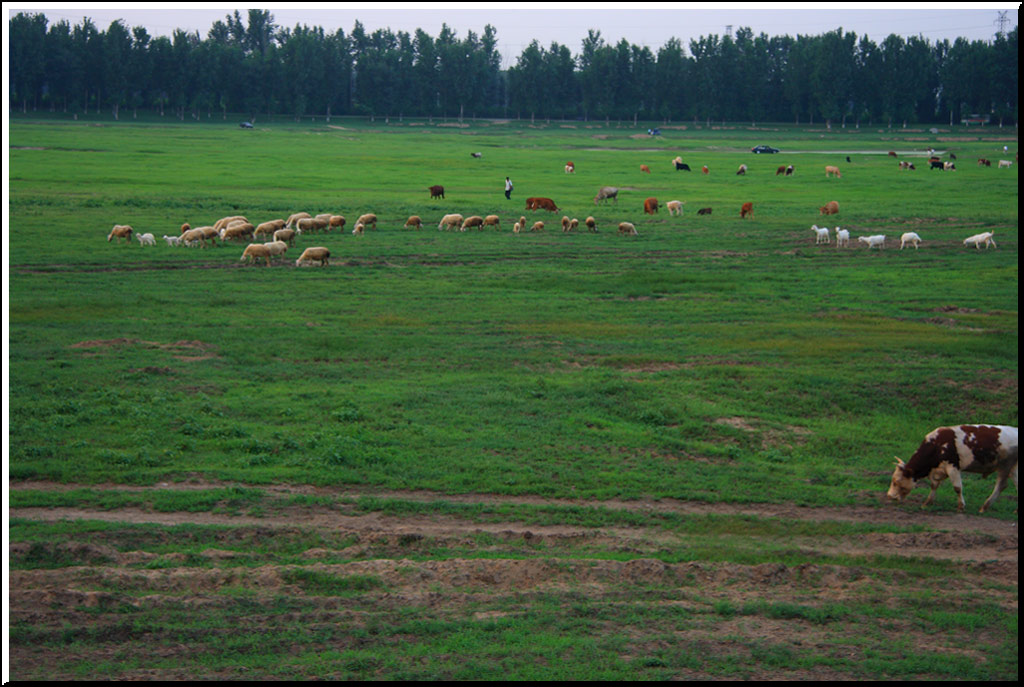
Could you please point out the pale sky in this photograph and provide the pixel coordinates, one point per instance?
(650, 24)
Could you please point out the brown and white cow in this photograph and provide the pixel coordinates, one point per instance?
(949, 451)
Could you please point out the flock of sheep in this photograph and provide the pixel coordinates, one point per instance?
(284, 232)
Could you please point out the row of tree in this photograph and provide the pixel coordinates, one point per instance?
(257, 68)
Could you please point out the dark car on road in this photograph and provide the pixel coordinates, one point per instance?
(764, 149)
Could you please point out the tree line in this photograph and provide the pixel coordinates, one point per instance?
(255, 67)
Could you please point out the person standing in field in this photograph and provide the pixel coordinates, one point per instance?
(508, 188)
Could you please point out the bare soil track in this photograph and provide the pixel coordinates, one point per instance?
(495, 566)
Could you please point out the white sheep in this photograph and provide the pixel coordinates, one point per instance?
(358, 229)
(315, 254)
(675, 207)
(268, 228)
(368, 220)
(193, 237)
(295, 217)
(910, 237)
(872, 241)
(286, 235)
(978, 239)
(628, 229)
(146, 239)
(453, 221)
(842, 237)
(172, 240)
(822, 234)
(591, 224)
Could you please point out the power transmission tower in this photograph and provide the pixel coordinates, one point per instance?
(1002, 21)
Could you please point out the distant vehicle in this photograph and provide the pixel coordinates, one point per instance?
(245, 125)
(654, 132)
(764, 149)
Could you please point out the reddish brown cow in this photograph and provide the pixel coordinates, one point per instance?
(780, 170)
(645, 168)
(436, 192)
(892, 153)
(651, 206)
(541, 204)
(747, 209)
(829, 208)
(704, 211)
(705, 169)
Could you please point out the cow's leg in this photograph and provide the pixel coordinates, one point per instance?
(1000, 485)
(958, 487)
(935, 479)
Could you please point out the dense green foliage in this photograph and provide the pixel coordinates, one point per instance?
(710, 358)
(255, 67)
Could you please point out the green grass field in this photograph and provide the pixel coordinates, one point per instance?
(711, 360)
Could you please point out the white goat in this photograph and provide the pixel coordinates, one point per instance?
(910, 237)
(821, 234)
(842, 237)
(872, 241)
(978, 239)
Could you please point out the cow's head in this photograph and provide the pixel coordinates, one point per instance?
(902, 484)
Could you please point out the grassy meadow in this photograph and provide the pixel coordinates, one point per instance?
(710, 360)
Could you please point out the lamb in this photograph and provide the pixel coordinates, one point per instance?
(255, 251)
(741, 171)
(473, 221)
(628, 229)
(171, 240)
(267, 228)
(842, 237)
(294, 218)
(492, 221)
(315, 254)
(591, 224)
(120, 231)
(675, 207)
(565, 224)
(357, 230)
(286, 235)
(146, 239)
(414, 221)
(607, 192)
(225, 221)
(537, 226)
(833, 171)
(453, 221)
(747, 210)
(978, 239)
(872, 241)
(516, 228)
(574, 224)
(829, 208)
(277, 247)
(910, 237)
(822, 234)
(368, 220)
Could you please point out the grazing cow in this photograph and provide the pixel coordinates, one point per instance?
(645, 168)
(780, 170)
(705, 169)
(1003, 163)
(952, 156)
(747, 209)
(651, 206)
(949, 451)
(892, 153)
(477, 154)
(675, 207)
(848, 159)
(789, 170)
(607, 192)
(541, 204)
(682, 166)
(948, 166)
(742, 170)
(982, 162)
(833, 171)
(570, 168)
(704, 211)
(829, 208)
(436, 192)
(905, 165)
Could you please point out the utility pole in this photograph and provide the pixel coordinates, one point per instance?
(728, 29)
